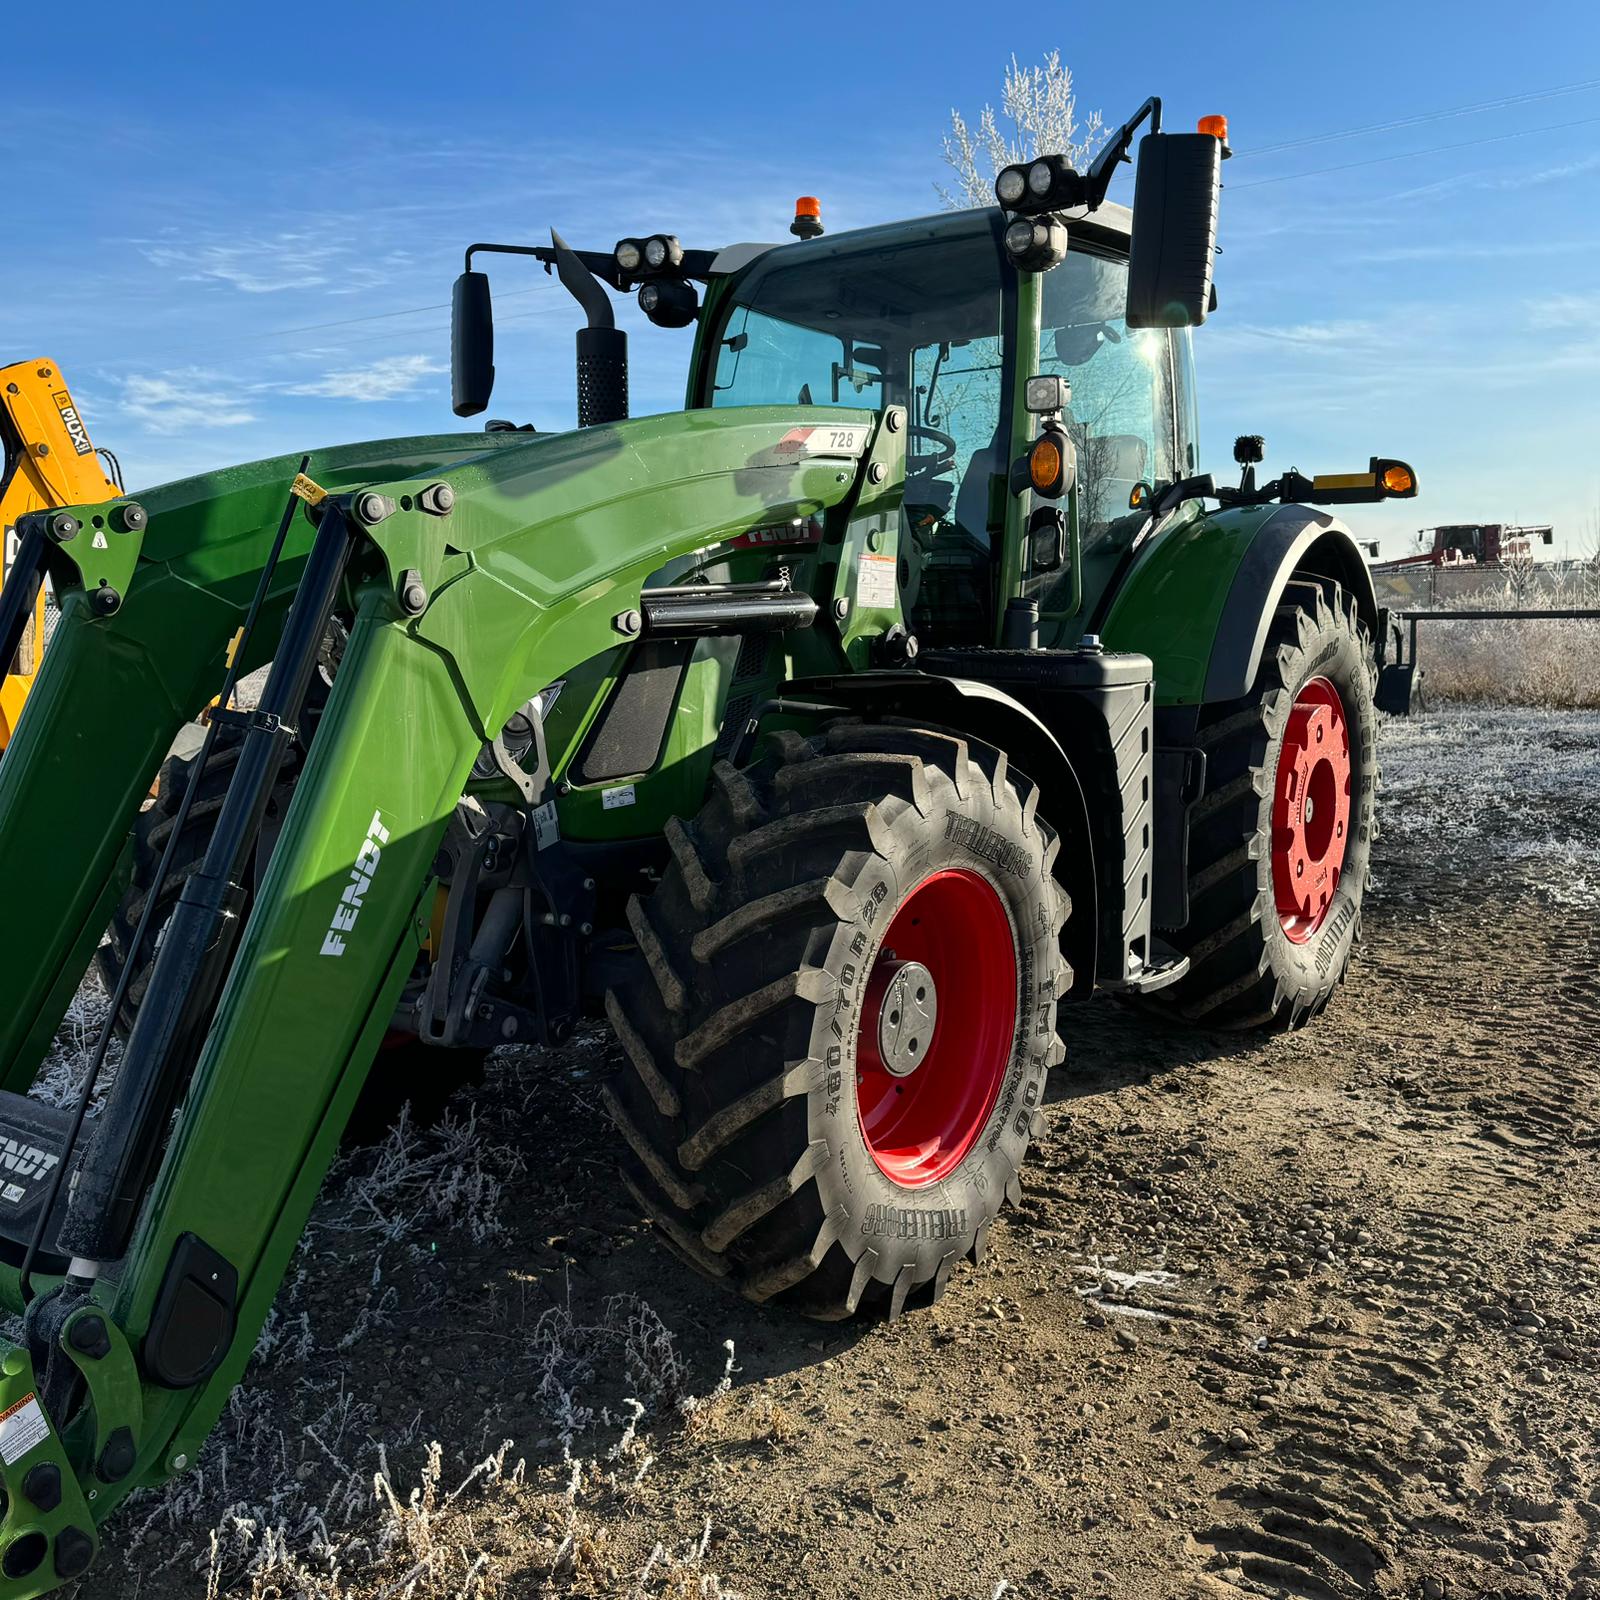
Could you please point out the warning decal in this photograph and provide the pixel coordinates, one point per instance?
(876, 588)
(22, 1426)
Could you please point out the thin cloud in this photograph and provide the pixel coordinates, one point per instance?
(388, 379)
(1579, 311)
(1339, 334)
(255, 266)
(270, 264)
(182, 402)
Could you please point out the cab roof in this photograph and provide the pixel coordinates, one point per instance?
(1110, 226)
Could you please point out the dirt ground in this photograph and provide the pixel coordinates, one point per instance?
(1307, 1316)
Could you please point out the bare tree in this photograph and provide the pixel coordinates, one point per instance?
(1589, 560)
(1038, 116)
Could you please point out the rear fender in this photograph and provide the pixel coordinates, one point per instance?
(983, 711)
(1200, 600)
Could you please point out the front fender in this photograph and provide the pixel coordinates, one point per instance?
(1200, 598)
(985, 711)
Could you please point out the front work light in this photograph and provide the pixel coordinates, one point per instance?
(669, 302)
(1046, 394)
(1010, 184)
(1036, 244)
(629, 255)
(1034, 187)
(662, 251)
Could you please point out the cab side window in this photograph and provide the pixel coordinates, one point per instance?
(1122, 415)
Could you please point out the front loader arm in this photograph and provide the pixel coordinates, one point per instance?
(116, 687)
(459, 618)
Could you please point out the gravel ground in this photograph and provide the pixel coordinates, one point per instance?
(1311, 1316)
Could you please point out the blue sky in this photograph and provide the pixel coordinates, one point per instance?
(205, 196)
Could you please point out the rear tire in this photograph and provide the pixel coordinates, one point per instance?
(1258, 958)
(752, 1030)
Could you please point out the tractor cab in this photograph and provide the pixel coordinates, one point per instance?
(955, 320)
(931, 316)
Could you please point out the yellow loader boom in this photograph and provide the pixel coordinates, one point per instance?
(48, 461)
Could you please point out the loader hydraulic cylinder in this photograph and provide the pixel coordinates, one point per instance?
(197, 949)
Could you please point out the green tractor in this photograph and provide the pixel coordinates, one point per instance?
(826, 735)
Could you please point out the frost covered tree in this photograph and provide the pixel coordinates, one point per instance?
(1038, 115)
(1589, 561)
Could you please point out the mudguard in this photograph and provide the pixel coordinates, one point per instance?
(1200, 598)
(985, 711)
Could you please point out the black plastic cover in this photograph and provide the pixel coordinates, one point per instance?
(627, 736)
(194, 1317)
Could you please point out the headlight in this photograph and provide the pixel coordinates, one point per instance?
(1010, 185)
(629, 255)
(1040, 176)
(518, 735)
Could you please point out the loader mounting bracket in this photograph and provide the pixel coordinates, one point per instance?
(46, 1535)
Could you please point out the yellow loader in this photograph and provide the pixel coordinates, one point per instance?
(48, 461)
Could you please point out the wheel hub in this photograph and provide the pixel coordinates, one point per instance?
(1311, 810)
(938, 1023)
(908, 1010)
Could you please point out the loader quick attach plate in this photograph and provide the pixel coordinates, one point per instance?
(33, 1138)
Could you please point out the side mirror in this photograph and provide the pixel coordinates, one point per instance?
(1175, 199)
(471, 344)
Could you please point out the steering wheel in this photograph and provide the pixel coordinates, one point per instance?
(931, 463)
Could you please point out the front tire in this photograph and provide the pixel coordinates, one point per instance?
(836, 1043)
(406, 1072)
(1281, 837)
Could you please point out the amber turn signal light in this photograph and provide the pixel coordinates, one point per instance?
(1398, 478)
(1047, 465)
(1044, 465)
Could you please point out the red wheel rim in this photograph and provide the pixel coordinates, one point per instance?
(1311, 810)
(920, 1120)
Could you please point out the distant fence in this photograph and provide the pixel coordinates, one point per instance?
(1546, 666)
(1423, 588)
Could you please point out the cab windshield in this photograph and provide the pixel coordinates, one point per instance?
(909, 316)
(917, 316)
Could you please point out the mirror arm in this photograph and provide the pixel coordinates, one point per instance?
(602, 264)
(1115, 151)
